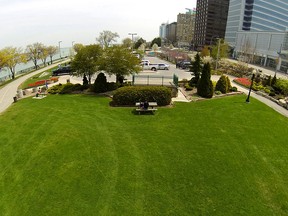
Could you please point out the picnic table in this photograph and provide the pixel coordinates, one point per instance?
(151, 107)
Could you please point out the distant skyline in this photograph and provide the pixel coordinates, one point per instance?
(25, 22)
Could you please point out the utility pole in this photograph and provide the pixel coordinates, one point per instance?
(217, 58)
(59, 48)
(132, 34)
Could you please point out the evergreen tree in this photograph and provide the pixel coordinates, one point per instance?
(222, 85)
(273, 81)
(205, 85)
(156, 41)
(196, 70)
(85, 80)
(100, 84)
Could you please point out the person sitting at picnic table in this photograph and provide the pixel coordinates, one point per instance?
(145, 105)
(38, 92)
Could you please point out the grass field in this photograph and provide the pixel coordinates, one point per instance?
(75, 155)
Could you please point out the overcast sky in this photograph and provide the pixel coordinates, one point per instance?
(25, 22)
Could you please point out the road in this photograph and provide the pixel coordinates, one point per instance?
(10, 90)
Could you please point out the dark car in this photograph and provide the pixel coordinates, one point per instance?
(62, 70)
(185, 65)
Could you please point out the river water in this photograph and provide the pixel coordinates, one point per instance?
(6, 74)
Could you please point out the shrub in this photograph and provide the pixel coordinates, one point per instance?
(188, 87)
(222, 85)
(272, 94)
(129, 95)
(100, 84)
(218, 92)
(85, 80)
(282, 86)
(257, 87)
(111, 86)
(267, 90)
(205, 85)
(55, 89)
(67, 88)
(234, 89)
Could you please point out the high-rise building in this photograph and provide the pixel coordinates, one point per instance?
(254, 16)
(171, 30)
(185, 28)
(162, 31)
(211, 19)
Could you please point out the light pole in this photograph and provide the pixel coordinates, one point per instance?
(59, 48)
(132, 34)
(72, 48)
(248, 97)
(217, 58)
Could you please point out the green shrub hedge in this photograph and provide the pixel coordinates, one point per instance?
(66, 88)
(129, 95)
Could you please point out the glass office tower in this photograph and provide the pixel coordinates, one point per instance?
(256, 15)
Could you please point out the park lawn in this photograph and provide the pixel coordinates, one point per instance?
(76, 155)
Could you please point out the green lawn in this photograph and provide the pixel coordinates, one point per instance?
(75, 155)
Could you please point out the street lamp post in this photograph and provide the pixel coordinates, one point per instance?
(217, 58)
(248, 97)
(59, 48)
(132, 34)
(72, 49)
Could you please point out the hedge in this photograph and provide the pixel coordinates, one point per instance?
(129, 95)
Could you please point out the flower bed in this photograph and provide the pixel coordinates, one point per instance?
(43, 82)
(243, 81)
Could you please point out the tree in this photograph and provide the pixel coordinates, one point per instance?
(247, 51)
(106, 38)
(77, 47)
(157, 41)
(52, 50)
(205, 51)
(119, 61)
(100, 84)
(223, 84)
(10, 57)
(223, 50)
(87, 61)
(139, 42)
(127, 42)
(196, 69)
(155, 47)
(85, 80)
(43, 54)
(33, 52)
(205, 85)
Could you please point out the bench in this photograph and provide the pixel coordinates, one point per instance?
(151, 107)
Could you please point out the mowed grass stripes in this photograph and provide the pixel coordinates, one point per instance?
(76, 155)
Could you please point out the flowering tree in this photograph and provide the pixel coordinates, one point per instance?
(10, 57)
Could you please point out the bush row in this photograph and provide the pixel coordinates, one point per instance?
(129, 95)
(66, 88)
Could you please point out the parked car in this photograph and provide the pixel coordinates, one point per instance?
(162, 66)
(185, 65)
(62, 70)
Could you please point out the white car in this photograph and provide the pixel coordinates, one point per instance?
(162, 66)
